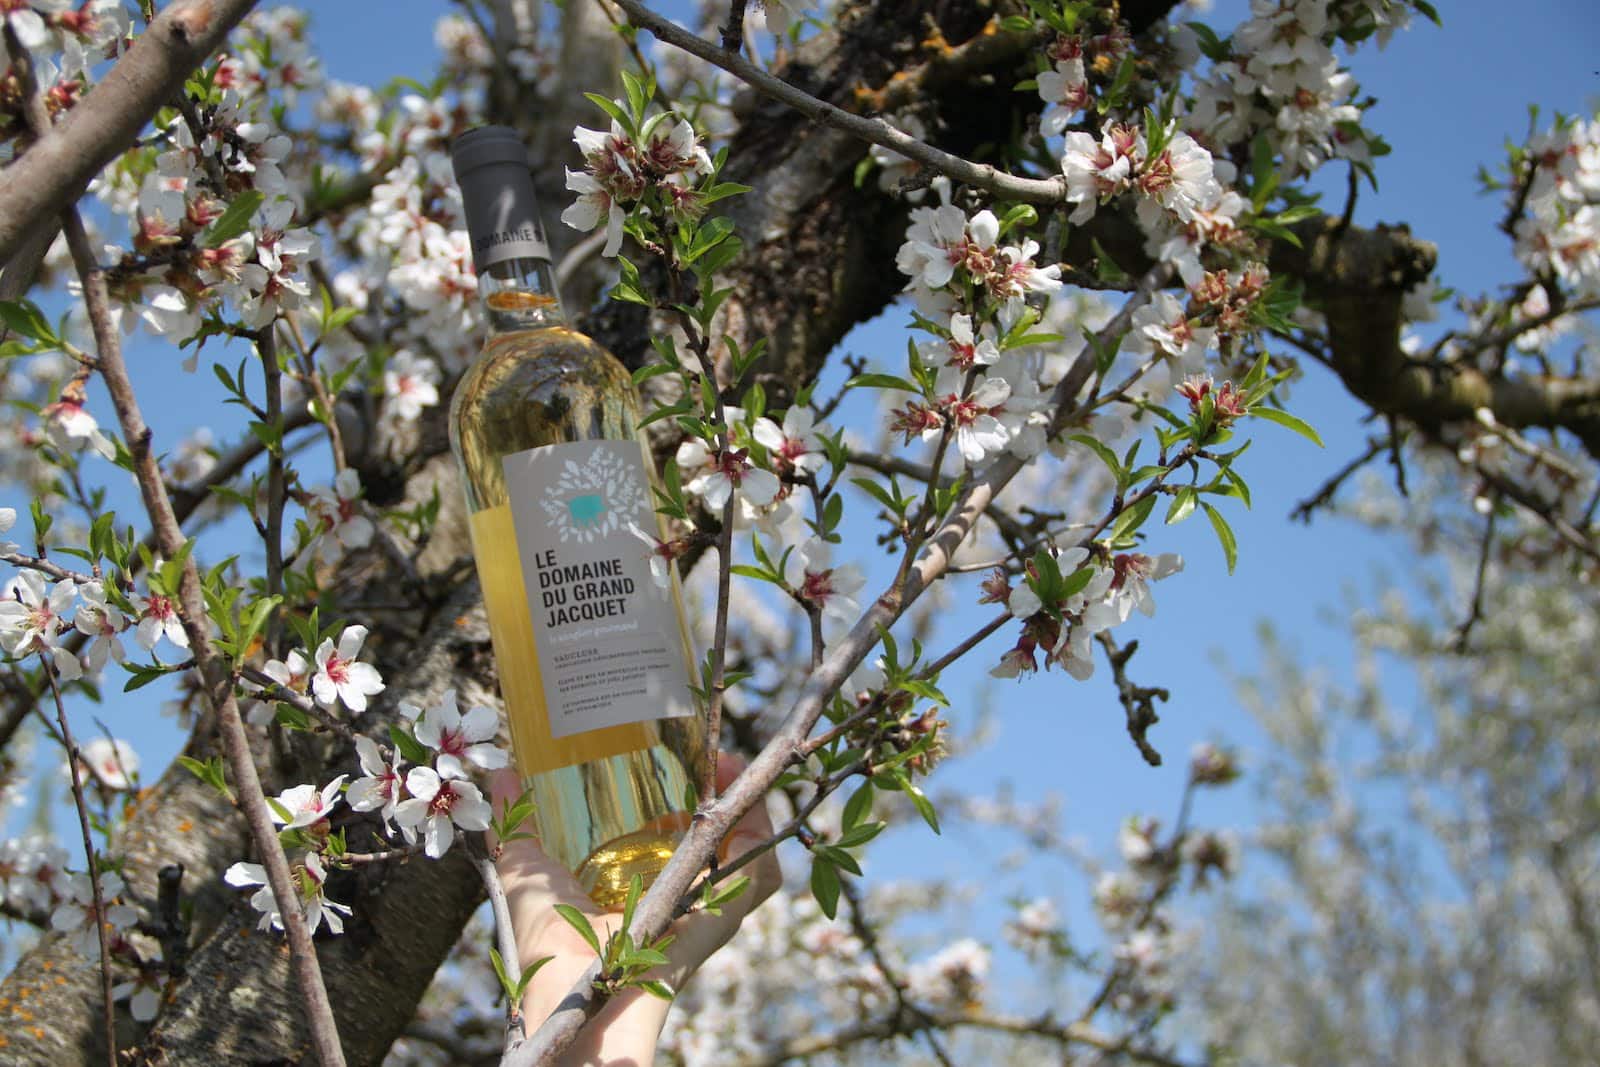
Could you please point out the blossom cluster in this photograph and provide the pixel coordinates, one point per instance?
(38, 617)
(1283, 80)
(1558, 234)
(621, 167)
(974, 288)
(1064, 627)
(423, 806)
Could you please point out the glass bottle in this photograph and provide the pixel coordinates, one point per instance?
(592, 652)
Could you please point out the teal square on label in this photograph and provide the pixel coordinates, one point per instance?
(586, 510)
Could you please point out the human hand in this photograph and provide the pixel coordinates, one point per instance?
(627, 1027)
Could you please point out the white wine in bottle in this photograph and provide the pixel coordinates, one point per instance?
(592, 654)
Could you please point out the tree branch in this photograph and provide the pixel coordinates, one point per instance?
(58, 167)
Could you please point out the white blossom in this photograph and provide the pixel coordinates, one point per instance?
(340, 676)
(461, 739)
(441, 804)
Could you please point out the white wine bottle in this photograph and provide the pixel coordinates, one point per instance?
(592, 654)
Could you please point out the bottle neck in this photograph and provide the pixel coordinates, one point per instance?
(520, 294)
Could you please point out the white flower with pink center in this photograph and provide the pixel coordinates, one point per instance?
(305, 805)
(76, 917)
(796, 445)
(158, 618)
(1162, 327)
(293, 673)
(1181, 180)
(72, 428)
(1065, 88)
(379, 787)
(1134, 571)
(102, 623)
(308, 876)
(438, 805)
(930, 253)
(340, 676)
(31, 620)
(594, 203)
(820, 584)
(1096, 171)
(113, 762)
(274, 282)
(410, 383)
(979, 434)
(964, 348)
(724, 473)
(337, 511)
(459, 738)
(658, 553)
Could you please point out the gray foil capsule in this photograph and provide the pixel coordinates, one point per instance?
(491, 167)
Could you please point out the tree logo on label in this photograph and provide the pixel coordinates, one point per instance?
(592, 499)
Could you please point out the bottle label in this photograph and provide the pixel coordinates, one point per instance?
(504, 225)
(608, 635)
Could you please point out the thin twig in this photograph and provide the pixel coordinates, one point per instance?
(272, 689)
(875, 131)
(904, 1006)
(1324, 495)
(1475, 611)
(1138, 701)
(505, 934)
(46, 567)
(733, 29)
(319, 390)
(79, 769)
(267, 349)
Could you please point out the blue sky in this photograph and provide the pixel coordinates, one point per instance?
(1448, 99)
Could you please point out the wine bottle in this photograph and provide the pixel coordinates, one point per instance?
(592, 653)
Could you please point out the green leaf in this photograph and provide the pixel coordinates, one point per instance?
(895, 505)
(924, 806)
(210, 772)
(578, 920)
(714, 899)
(408, 746)
(1183, 503)
(24, 317)
(858, 807)
(656, 988)
(719, 257)
(682, 407)
(857, 836)
(881, 381)
(612, 108)
(1230, 547)
(825, 886)
(635, 891)
(839, 858)
(1284, 419)
(1132, 518)
(236, 219)
(1099, 448)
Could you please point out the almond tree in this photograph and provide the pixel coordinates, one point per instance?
(1108, 275)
